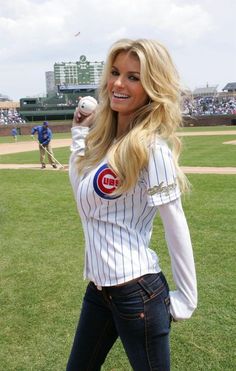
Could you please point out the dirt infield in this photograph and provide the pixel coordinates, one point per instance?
(230, 142)
(8, 148)
(208, 170)
(206, 133)
(32, 167)
(186, 169)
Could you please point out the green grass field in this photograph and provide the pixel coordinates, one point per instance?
(208, 151)
(198, 151)
(41, 269)
(27, 138)
(32, 157)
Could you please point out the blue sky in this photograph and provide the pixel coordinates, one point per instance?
(200, 35)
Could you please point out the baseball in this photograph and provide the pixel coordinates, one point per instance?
(87, 105)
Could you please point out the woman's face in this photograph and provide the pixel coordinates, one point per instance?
(126, 92)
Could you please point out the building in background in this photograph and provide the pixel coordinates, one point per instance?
(4, 98)
(207, 91)
(230, 87)
(82, 72)
(65, 85)
(50, 83)
(7, 103)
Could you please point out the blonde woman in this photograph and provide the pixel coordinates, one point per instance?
(124, 170)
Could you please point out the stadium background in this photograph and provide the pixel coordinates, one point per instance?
(69, 80)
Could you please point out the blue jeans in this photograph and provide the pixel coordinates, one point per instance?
(138, 312)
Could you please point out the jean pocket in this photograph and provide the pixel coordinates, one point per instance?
(130, 307)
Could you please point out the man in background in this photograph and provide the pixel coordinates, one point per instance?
(14, 134)
(44, 139)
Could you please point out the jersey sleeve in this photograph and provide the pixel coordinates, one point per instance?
(79, 134)
(77, 148)
(160, 176)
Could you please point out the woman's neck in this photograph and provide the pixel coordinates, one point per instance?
(123, 126)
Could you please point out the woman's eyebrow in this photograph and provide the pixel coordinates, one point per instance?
(137, 72)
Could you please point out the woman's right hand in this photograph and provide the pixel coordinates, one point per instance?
(81, 120)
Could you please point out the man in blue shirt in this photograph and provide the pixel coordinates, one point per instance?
(44, 138)
(14, 134)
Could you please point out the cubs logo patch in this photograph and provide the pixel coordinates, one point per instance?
(105, 182)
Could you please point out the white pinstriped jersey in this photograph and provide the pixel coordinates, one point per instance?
(118, 230)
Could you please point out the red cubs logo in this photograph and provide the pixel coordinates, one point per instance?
(105, 182)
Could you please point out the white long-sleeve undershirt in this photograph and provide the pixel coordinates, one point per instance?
(184, 299)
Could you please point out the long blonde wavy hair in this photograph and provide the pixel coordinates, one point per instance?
(161, 116)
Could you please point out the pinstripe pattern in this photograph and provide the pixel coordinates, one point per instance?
(118, 230)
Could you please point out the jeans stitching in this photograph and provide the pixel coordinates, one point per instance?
(147, 342)
(126, 316)
(158, 292)
(96, 349)
(146, 337)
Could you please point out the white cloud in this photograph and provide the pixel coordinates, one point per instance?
(38, 33)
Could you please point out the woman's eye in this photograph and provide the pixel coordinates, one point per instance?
(114, 73)
(134, 78)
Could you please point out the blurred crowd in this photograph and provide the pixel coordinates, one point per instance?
(209, 106)
(10, 117)
(196, 106)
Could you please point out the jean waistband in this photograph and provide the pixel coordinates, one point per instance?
(143, 281)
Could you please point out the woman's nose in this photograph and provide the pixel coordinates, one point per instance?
(119, 81)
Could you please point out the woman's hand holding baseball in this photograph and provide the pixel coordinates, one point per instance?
(81, 120)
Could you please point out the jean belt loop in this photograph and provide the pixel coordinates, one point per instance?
(146, 286)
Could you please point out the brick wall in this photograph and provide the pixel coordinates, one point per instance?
(211, 120)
